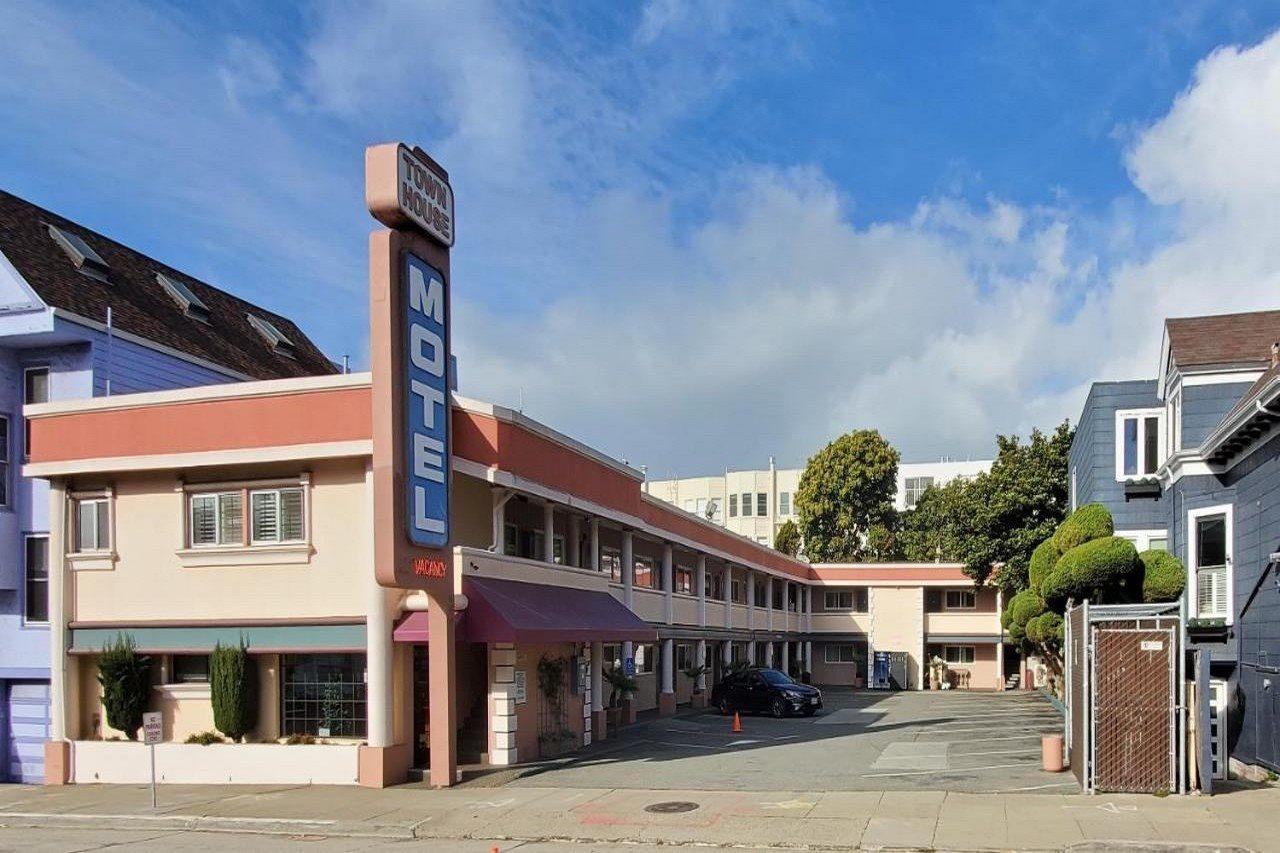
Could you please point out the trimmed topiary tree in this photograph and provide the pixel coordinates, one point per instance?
(1043, 559)
(233, 683)
(1102, 570)
(125, 677)
(1020, 610)
(1089, 522)
(1045, 630)
(1163, 577)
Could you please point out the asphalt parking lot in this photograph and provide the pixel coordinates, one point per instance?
(861, 741)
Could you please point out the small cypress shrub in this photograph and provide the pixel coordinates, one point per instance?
(233, 683)
(1164, 576)
(125, 677)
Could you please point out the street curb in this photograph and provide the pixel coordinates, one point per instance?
(207, 823)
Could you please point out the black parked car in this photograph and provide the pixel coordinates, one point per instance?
(765, 691)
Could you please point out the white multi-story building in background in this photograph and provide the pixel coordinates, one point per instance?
(754, 503)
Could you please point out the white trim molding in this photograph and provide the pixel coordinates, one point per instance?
(1141, 539)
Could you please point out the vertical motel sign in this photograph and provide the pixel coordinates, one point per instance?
(410, 346)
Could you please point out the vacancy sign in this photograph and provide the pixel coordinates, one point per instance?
(426, 366)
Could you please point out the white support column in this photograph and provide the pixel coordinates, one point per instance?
(573, 551)
(379, 701)
(502, 694)
(1000, 642)
(628, 569)
(768, 653)
(701, 580)
(751, 652)
(751, 599)
(500, 498)
(702, 661)
(768, 604)
(62, 706)
(808, 656)
(726, 652)
(594, 563)
(548, 532)
(668, 665)
(668, 587)
(808, 609)
(786, 605)
(728, 596)
(786, 656)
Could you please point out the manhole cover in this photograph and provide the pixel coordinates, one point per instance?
(671, 807)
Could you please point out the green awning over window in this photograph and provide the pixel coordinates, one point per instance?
(259, 638)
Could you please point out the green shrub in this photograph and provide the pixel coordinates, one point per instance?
(1089, 522)
(233, 682)
(1105, 571)
(125, 677)
(204, 738)
(1020, 610)
(1043, 559)
(1163, 578)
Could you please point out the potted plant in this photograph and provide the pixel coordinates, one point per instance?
(621, 687)
(699, 695)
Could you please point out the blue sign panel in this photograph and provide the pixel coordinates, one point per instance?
(426, 385)
(629, 667)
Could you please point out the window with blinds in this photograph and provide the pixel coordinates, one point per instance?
(247, 517)
(92, 525)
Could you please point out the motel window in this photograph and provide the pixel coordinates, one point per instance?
(684, 657)
(784, 503)
(189, 669)
(4, 461)
(612, 657)
(762, 504)
(715, 585)
(840, 653)
(738, 591)
(961, 599)
(645, 575)
(245, 516)
(323, 695)
(733, 506)
(854, 600)
(1139, 443)
(92, 521)
(746, 503)
(684, 579)
(611, 562)
(779, 592)
(557, 549)
(759, 593)
(510, 539)
(914, 489)
(35, 389)
(958, 654)
(36, 586)
(700, 508)
(644, 658)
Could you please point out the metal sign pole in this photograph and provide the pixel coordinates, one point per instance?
(152, 734)
(152, 748)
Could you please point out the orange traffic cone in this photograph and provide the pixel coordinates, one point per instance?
(737, 723)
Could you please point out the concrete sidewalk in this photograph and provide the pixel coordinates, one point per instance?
(1242, 818)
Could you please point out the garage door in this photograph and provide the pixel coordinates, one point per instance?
(26, 728)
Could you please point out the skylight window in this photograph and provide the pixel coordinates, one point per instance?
(275, 338)
(81, 253)
(187, 301)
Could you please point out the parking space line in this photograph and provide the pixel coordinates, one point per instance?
(942, 772)
(1025, 750)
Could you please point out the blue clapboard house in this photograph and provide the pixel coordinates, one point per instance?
(1189, 461)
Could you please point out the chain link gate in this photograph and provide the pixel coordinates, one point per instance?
(1124, 727)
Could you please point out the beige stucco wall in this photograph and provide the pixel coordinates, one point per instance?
(984, 673)
(897, 625)
(843, 674)
(150, 581)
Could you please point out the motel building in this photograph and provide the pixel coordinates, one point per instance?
(245, 512)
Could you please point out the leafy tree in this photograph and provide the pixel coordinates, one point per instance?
(787, 539)
(233, 683)
(1106, 571)
(846, 489)
(998, 517)
(125, 677)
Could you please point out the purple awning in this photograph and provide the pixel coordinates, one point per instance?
(505, 611)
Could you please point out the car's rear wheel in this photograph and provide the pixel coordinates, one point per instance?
(778, 708)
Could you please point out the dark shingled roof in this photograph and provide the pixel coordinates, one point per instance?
(139, 303)
(1223, 338)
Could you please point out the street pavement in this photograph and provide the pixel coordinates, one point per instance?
(192, 817)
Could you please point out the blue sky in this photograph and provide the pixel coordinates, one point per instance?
(696, 234)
